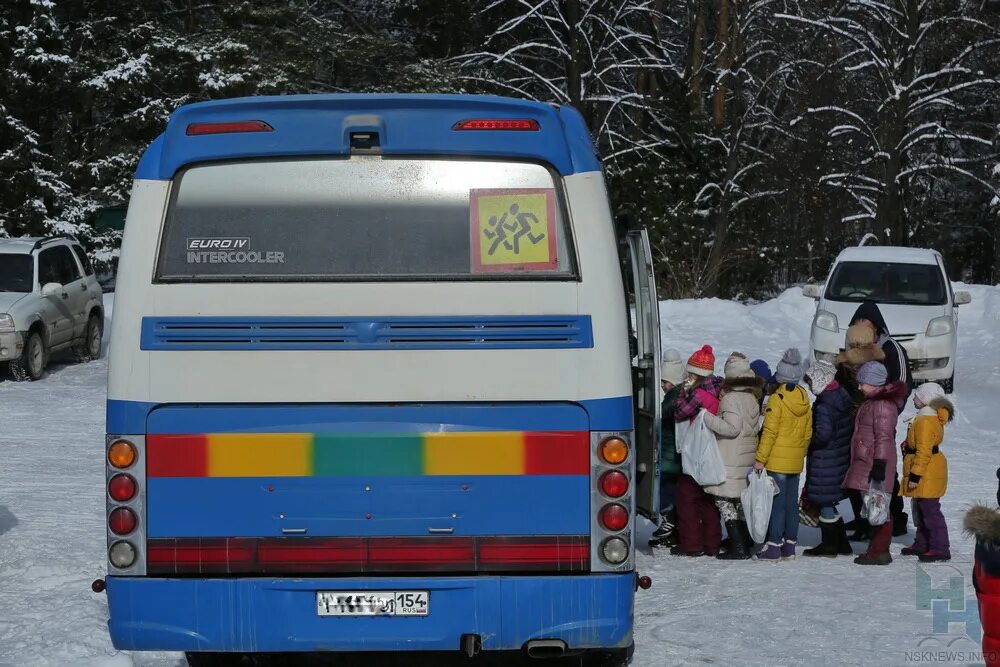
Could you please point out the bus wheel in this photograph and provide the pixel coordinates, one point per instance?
(613, 658)
(207, 659)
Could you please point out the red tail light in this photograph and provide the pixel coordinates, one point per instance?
(122, 488)
(614, 516)
(515, 124)
(198, 129)
(122, 521)
(614, 484)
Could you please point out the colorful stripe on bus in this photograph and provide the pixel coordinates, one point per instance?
(367, 454)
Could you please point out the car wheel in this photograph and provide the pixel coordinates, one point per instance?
(31, 365)
(89, 347)
(949, 384)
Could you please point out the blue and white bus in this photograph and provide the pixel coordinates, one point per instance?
(373, 385)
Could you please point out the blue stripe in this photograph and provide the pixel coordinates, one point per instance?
(338, 506)
(367, 333)
(311, 125)
(129, 417)
(251, 614)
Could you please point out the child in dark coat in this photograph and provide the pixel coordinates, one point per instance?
(672, 376)
(984, 523)
(698, 528)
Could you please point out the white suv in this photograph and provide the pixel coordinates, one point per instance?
(50, 300)
(913, 293)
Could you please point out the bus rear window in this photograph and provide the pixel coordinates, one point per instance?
(365, 219)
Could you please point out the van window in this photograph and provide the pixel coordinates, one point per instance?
(888, 282)
(365, 218)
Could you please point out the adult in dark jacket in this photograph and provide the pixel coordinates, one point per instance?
(984, 523)
(829, 457)
(897, 364)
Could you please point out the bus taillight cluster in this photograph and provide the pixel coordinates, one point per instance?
(125, 475)
(614, 513)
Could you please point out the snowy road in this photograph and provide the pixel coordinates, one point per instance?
(698, 612)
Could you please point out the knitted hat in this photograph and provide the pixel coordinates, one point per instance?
(790, 368)
(873, 373)
(672, 369)
(737, 366)
(928, 391)
(859, 335)
(762, 370)
(820, 376)
(702, 362)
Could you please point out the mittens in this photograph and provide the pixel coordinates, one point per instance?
(878, 471)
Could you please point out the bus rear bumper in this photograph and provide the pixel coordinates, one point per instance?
(268, 614)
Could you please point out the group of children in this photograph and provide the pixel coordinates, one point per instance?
(844, 438)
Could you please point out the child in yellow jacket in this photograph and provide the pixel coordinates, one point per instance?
(784, 441)
(925, 472)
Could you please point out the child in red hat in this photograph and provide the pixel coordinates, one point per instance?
(697, 516)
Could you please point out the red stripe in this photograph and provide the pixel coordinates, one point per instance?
(557, 453)
(176, 455)
(339, 555)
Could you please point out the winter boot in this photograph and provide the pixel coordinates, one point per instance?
(843, 544)
(863, 532)
(829, 546)
(770, 552)
(931, 557)
(788, 550)
(738, 538)
(677, 551)
(878, 548)
(873, 559)
(665, 534)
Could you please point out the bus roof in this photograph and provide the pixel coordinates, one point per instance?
(407, 125)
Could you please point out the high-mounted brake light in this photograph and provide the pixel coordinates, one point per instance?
(198, 129)
(515, 124)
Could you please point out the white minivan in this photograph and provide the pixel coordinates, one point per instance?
(912, 290)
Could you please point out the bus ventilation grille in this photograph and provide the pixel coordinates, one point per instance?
(497, 332)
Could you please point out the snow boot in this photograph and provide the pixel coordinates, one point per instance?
(788, 550)
(739, 536)
(843, 544)
(665, 534)
(770, 552)
(931, 557)
(677, 551)
(914, 549)
(862, 533)
(874, 559)
(829, 545)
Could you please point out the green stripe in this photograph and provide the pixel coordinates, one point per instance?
(367, 454)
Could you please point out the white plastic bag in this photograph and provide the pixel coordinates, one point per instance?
(875, 507)
(700, 456)
(757, 499)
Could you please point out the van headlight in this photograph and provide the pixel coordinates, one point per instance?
(827, 321)
(940, 326)
(6, 322)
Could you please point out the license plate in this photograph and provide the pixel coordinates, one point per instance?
(372, 603)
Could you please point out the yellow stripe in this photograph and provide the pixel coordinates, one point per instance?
(474, 454)
(260, 454)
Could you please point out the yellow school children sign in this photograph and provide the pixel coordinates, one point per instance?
(513, 230)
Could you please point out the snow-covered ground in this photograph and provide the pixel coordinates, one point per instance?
(698, 611)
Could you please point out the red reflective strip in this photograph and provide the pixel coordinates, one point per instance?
(557, 453)
(517, 124)
(176, 455)
(197, 129)
(338, 555)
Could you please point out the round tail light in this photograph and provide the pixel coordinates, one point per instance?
(122, 521)
(614, 550)
(122, 554)
(122, 487)
(614, 516)
(614, 450)
(614, 484)
(121, 454)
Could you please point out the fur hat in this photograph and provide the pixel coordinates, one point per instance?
(790, 368)
(820, 375)
(737, 366)
(672, 369)
(702, 362)
(859, 335)
(873, 373)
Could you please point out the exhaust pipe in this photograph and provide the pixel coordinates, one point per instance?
(546, 648)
